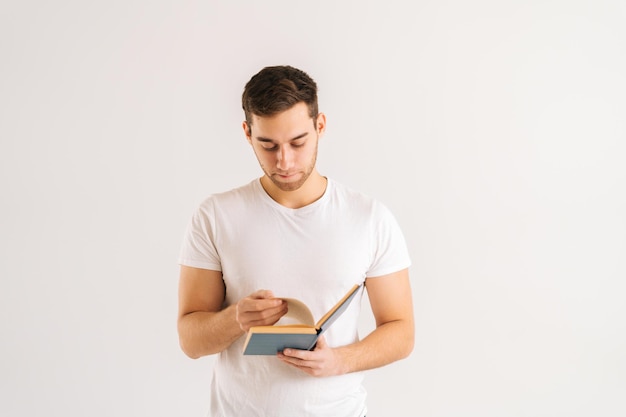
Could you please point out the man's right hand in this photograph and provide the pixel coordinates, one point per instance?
(260, 308)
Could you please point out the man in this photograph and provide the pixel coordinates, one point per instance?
(292, 233)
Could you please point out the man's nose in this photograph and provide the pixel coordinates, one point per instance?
(285, 158)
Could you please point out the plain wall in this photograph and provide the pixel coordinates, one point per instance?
(494, 130)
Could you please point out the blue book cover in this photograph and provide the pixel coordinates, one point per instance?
(269, 340)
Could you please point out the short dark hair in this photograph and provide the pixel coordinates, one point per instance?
(276, 89)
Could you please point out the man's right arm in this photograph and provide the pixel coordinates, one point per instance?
(204, 327)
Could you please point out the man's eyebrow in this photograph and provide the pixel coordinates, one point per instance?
(263, 139)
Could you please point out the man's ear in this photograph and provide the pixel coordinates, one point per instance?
(247, 131)
(321, 123)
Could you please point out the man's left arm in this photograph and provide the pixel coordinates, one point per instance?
(392, 306)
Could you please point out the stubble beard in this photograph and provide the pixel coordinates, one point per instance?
(293, 185)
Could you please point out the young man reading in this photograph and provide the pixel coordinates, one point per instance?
(292, 233)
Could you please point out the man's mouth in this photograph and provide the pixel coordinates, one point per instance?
(286, 176)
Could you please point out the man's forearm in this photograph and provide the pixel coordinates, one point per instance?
(388, 343)
(204, 333)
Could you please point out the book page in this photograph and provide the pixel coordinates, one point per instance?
(298, 313)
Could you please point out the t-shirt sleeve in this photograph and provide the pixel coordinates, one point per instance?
(198, 247)
(389, 249)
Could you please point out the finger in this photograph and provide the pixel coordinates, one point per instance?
(259, 301)
(303, 364)
(297, 354)
(265, 317)
(271, 305)
(261, 294)
(259, 312)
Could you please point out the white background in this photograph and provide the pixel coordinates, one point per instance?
(494, 130)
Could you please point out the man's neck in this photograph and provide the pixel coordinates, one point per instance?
(312, 190)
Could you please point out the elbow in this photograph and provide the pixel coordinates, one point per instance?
(187, 343)
(407, 345)
(405, 340)
(194, 349)
(186, 340)
(407, 349)
(188, 350)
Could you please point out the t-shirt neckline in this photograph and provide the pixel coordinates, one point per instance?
(301, 210)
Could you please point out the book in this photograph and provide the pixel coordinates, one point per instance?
(303, 334)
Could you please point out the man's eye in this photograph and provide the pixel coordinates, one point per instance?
(297, 144)
(270, 148)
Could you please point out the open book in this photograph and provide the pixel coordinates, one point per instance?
(269, 340)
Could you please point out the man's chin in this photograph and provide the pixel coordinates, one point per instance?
(287, 185)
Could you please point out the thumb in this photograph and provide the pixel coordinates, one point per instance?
(321, 343)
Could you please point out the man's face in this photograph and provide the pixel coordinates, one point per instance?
(286, 145)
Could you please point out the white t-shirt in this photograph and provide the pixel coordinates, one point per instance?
(315, 254)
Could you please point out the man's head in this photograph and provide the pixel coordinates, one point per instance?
(283, 125)
(276, 89)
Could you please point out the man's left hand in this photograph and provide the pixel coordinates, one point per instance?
(322, 361)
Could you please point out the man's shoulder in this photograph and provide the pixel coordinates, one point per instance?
(235, 200)
(352, 195)
(234, 195)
